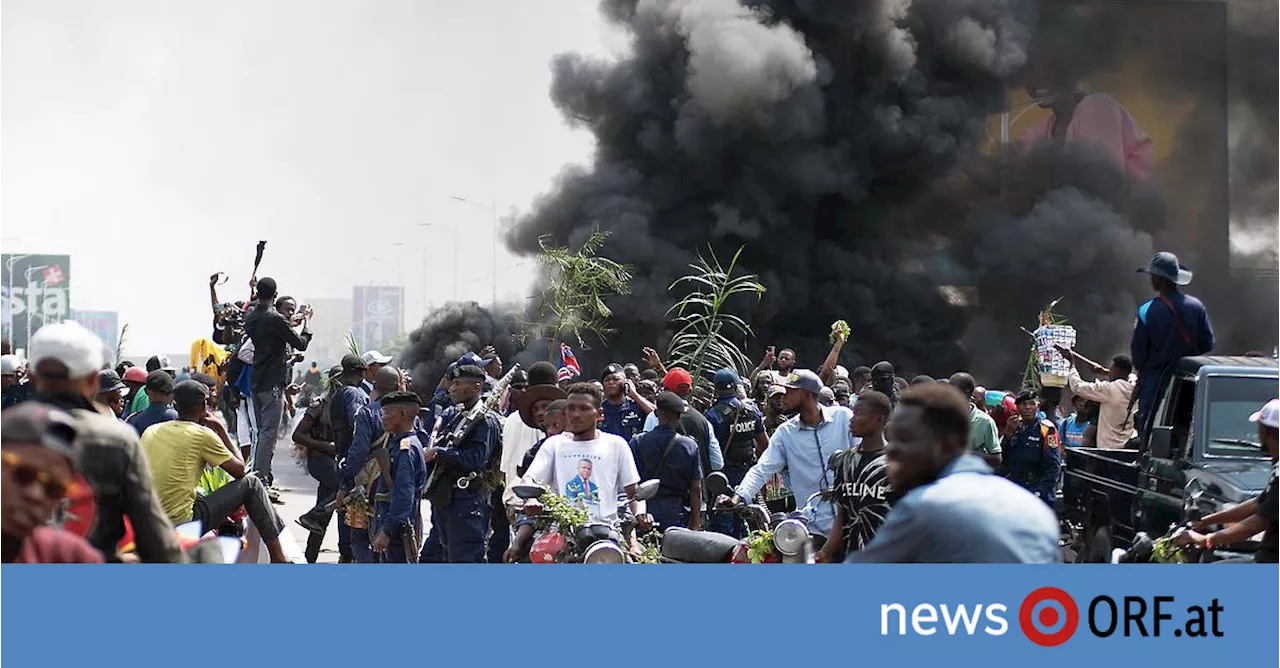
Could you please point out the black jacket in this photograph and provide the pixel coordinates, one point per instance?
(271, 335)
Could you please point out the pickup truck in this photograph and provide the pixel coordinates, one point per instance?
(1198, 455)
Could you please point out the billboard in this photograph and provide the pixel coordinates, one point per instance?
(36, 290)
(377, 314)
(106, 324)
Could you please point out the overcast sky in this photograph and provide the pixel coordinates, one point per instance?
(155, 142)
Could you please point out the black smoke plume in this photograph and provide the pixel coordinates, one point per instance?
(449, 331)
(837, 142)
(808, 132)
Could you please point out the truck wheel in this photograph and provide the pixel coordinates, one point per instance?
(1098, 550)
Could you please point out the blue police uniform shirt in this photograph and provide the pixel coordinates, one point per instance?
(967, 515)
(749, 423)
(1158, 341)
(475, 451)
(681, 466)
(408, 478)
(368, 428)
(622, 419)
(1033, 454)
(152, 415)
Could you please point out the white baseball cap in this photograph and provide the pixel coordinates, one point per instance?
(70, 343)
(375, 357)
(9, 365)
(1268, 415)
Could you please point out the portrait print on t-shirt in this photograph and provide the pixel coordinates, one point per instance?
(581, 487)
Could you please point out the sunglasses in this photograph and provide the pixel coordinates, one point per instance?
(24, 474)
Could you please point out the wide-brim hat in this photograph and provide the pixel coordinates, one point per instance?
(532, 395)
(1166, 265)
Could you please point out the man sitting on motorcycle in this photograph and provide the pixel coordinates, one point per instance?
(803, 445)
(557, 464)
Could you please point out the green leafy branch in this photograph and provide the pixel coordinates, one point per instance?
(706, 340)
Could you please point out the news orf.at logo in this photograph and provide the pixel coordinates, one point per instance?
(1049, 617)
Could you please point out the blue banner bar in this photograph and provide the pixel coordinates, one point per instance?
(630, 615)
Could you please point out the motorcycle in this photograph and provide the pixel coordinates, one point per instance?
(783, 537)
(591, 543)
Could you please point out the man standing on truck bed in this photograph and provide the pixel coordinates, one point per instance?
(1255, 515)
(1170, 326)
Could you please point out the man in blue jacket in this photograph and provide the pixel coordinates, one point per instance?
(1170, 326)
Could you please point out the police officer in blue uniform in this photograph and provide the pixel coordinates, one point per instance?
(739, 427)
(397, 515)
(623, 409)
(1032, 453)
(671, 459)
(461, 475)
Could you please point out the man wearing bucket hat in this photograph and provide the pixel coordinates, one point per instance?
(1257, 515)
(1170, 326)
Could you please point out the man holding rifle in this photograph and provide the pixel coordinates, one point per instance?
(459, 501)
(1113, 391)
(402, 477)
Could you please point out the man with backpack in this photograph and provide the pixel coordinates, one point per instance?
(672, 459)
(739, 427)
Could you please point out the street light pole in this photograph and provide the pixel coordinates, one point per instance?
(492, 206)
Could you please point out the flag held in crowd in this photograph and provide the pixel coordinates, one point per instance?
(568, 364)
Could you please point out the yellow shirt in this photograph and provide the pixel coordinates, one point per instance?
(201, 351)
(177, 452)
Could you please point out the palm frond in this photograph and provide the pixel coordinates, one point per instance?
(705, 341)
(124, 334)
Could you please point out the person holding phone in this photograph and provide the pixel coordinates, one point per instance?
(624, 409)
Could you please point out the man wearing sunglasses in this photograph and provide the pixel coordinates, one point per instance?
(37, 454)
(65, 360)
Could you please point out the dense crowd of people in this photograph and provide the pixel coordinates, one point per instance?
(884, 469)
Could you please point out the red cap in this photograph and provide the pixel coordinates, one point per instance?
(135, 375)
(675, 378)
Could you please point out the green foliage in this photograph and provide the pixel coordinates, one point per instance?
(650, 548)
(1165, 551)
(562, 512)
(839, 326)
(759, 545)
(573, 300)
(351, 344)
(708, 338)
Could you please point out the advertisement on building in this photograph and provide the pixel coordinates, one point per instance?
(377, 314)
(106, 324)
(36, 290)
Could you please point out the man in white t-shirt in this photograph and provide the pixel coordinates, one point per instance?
(586, 465)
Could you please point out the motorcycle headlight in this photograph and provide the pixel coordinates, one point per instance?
(604, 552)
(790, 536)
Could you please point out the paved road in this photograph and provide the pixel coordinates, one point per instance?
(301, 496)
